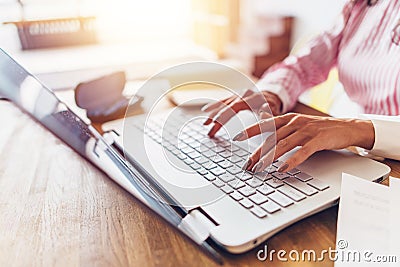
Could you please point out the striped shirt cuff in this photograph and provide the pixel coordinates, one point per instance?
(278, 90)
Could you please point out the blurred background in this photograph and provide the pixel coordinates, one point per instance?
(65, 42)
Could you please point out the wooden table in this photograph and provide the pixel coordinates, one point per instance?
(58, 210)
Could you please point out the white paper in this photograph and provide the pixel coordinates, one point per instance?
(366, 232)
(395, 217)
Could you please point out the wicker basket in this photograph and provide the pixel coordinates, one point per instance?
(34, 34)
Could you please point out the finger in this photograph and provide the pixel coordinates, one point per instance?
(225, 115)
(218, 108)
(265, 125)
(216, 104)
(247, 93)
(265, 115)
(267, 146)
(275, 105)
(268, 125)
(287, 144)
(228, 112)
(265, 111)
(301, 155)
(264, 162)
(265, 108)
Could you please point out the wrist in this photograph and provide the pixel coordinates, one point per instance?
(365, 133)
(274, 101)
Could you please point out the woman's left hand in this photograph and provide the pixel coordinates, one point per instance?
(312, 133)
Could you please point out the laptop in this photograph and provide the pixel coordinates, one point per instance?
(238, 210)
(168, 154)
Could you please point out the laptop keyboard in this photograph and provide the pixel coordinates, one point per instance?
(220, 162)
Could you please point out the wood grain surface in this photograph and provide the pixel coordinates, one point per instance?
(58, 210)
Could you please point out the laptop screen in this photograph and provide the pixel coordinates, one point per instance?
(29, 94)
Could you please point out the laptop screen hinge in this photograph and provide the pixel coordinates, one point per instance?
(197, 225)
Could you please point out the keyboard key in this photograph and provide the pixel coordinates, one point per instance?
(209, 177)
(258, 212)
(225, 164)
(244, 176)
(226, 177)
(280, 175)
(241, 163)
(217, 159)
(227, 189)
(263, 176)
(194, 155)
(176, 151)
(246, 203)
(188, 161)
(318, 184)
(202, 171)
(236, 196)
(254, 182)
(201, 160)
(181, 156)
(277, 163)
(303, 177)
(236, 184)
(225, 154)
(234, 148)
(218, 182)
(293, 171)
(195, 166)
(292, 193)
(187, 150)
(217, 171)
(247, 191)
(258, 198)
(265, 189)
(209, 144)
(275, 183)
(210, 165)
(224, 143)
(241, 153)
(207, 153)
(235, 159)
(271, 169)
(281, 199)
(302, 187)
(218, 149)
(194, 144)
(270, 207)
(234, 170)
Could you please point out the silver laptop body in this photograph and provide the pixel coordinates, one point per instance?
(236, 209)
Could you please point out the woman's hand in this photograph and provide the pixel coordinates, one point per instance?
(312, 133)
(222, 111)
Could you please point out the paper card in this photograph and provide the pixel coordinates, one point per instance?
(364, 228)
(395, 217)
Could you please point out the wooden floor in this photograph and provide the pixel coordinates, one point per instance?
(56, 209)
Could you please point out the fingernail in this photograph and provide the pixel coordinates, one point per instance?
(283, 167)
(207, 122)
(205, 107)
(248, 164)
(259, 166)
(238, 136)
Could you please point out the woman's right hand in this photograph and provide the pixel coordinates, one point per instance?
(222, 111)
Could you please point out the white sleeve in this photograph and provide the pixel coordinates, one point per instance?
(387, 135)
